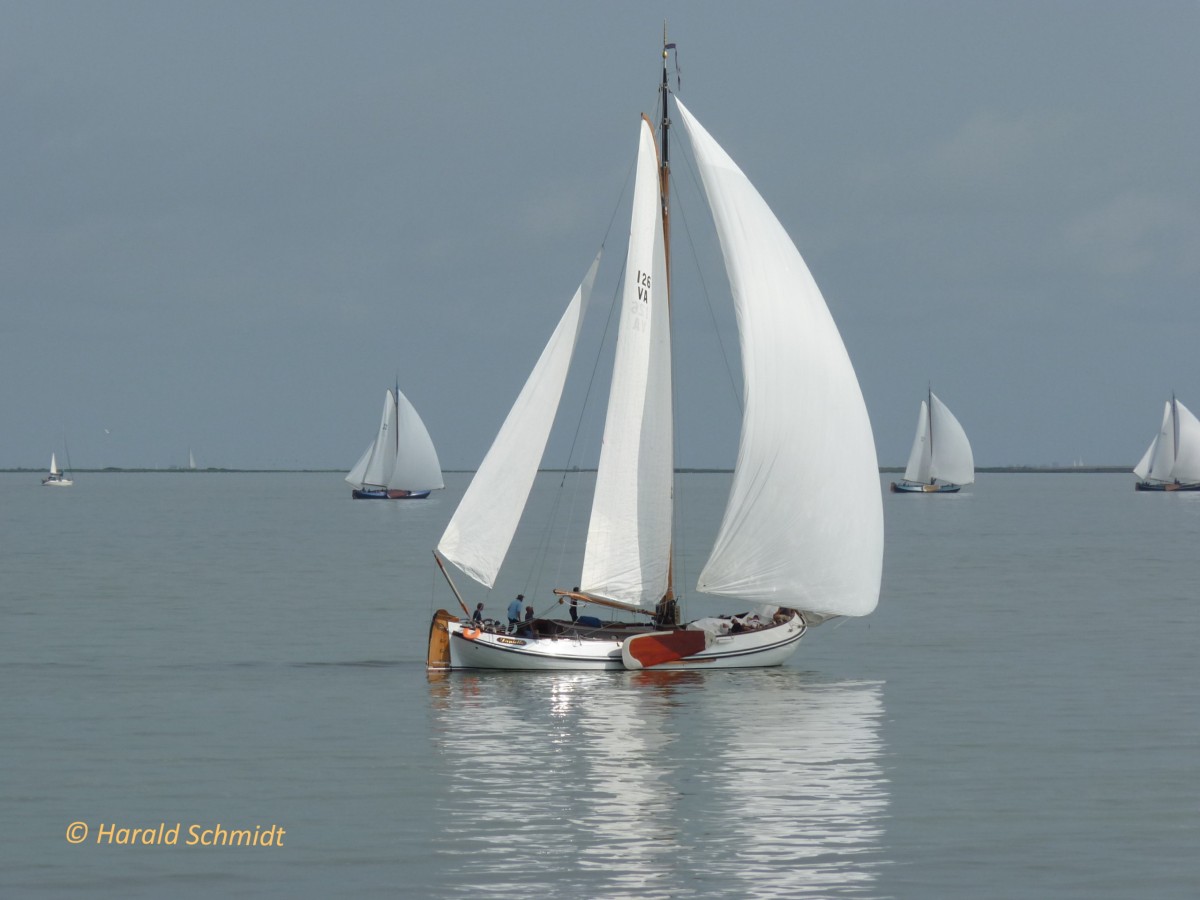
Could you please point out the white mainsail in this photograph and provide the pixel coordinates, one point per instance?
(803, 526)
(479, 533)
(54, 465)
(416, 466)
(1187, 451)
(952, 460)
(628, 551)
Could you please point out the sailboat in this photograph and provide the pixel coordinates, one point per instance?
(941, 461)
(1172, 461)
(401, 463)
(56, 478)
(796, 547)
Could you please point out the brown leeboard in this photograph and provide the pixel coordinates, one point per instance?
(438, 655)
(656, 648)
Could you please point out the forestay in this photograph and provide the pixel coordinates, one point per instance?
(803, 526)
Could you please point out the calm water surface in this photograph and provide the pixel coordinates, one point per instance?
(1019, 718)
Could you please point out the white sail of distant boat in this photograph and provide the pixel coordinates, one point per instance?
(1172, 461)
(55, 477)
(191, 460)
(940, 461)
(401, 463)
(802, 546)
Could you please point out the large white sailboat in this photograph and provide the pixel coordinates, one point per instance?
(1172, 461)
(795, 546)
(940, 461)
(401, 463)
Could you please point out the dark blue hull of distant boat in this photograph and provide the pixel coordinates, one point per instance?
(389, 495)
(909, 487)
(1165, 486)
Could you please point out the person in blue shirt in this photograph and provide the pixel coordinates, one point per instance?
(514, 610)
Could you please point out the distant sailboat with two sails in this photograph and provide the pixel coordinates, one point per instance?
(401, 463)
(941, 461)
(1172, 461)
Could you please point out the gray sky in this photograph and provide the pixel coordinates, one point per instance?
(230, 226)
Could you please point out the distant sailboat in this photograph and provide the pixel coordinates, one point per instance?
(401, 463)
(941, 461)
(795, 545)
(56, 478)
(1172, 461)
(191, 460)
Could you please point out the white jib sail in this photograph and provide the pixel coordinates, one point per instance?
(803, 526)
(482, 527)
(953, 461)
(1142, 469)
(1162, 462)
(919, 458)
(355, 476)
(375, 467)
(1187, 452)
(628, 549)
(54, 465)
(416, 467)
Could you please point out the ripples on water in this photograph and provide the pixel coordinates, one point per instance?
(764, 784)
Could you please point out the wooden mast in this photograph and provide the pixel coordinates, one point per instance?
(664, 177)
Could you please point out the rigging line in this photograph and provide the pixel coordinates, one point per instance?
(677, 205)
(539, 560)
(620, 199)
(614, 304)
(548, 528)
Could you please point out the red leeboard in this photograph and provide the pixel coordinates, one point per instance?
(663, 646)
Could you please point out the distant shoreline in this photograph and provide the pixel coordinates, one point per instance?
(991, 470)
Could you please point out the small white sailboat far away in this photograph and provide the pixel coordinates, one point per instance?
(1172, 461)
(401, 463)
(56, 478)
(941, 461)
(794, 544)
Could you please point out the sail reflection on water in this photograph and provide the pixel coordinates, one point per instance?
(809, 799)
(658, 784)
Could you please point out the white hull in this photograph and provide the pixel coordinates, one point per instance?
(763, 648)
(57, 482)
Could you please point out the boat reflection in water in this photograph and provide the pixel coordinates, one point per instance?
(659, 784)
